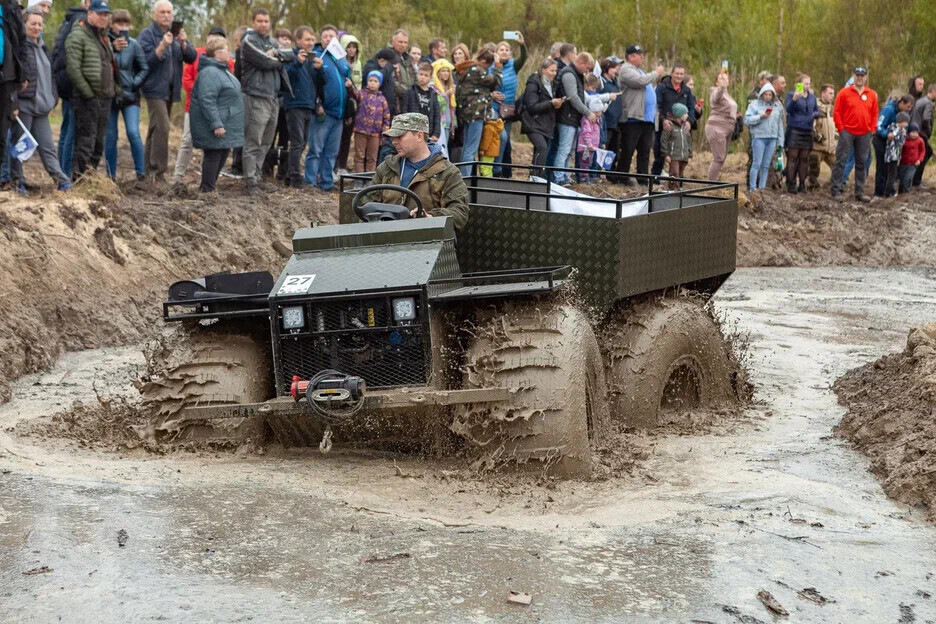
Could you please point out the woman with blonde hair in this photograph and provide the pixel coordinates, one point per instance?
(443, 84)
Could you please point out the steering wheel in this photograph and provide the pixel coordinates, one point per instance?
(355, 203)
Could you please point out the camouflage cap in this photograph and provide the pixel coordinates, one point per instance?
(417, 122)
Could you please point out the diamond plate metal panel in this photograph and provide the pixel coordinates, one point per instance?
(503, 238)
(663, 249)
(363, 268)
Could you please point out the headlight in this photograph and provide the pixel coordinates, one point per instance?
(293, 317)
(404, 309)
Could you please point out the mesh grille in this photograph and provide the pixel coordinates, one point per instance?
(357, 338)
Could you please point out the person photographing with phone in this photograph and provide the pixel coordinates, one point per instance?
(166, 47)
(802, 111)
(766, 129)
(132, 71)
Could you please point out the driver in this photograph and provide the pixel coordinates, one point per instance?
(422, 168)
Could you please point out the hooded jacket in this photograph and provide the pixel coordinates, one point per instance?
(40, 95)
(887, 117)
(447, 106)
(59, 69)
(676, 143)
(770, 127)
(357, 71)
(438, 184)
(164, 80)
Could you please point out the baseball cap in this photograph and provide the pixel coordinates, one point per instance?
(99, 6)
(217, 30)
(860, 71)
(634, 49)
(416, 122)
(613, 60)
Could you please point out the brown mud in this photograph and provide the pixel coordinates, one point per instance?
(83, 273)
(890, 405)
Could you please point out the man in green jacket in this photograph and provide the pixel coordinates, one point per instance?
(91, 69)
(423, 169)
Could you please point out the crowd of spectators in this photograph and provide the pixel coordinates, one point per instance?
(302, 106)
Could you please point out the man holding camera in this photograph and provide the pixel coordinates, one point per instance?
(166, 47)
(261, 79)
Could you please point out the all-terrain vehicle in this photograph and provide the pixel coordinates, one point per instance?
(522, 333)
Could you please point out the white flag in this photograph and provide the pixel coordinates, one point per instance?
(25, 147)
(334, 46)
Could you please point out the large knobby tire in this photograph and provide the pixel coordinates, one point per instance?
(547, 356)
(200, 366)
(665, 355)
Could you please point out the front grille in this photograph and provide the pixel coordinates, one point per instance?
(357, 337)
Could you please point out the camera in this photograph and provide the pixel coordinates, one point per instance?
(285, 55)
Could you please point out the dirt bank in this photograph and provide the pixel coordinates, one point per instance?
(890, 418)
(82, 273)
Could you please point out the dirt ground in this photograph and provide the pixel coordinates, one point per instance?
(890, 406)
(697, 527)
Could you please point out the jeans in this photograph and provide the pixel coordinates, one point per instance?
(324, 141)
(66, 144)
(41, 130)
(504, 142)
(131, 117)
(906, 174)
(541, 145)
(567, 136)
(471, 144)
(211, 167)
(859, 144)
(6, 163)
(763, 150)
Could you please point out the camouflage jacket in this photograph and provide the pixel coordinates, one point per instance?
(473, 90)
(438, 184)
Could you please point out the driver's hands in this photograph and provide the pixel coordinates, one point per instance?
(412, 213)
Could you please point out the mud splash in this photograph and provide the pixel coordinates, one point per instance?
(890, 406)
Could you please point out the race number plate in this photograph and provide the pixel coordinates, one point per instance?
(296, 285)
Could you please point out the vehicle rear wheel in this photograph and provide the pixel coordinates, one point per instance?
(200, 366)
(664, 357)
(546, 354)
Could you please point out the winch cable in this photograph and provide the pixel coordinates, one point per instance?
(328, 414)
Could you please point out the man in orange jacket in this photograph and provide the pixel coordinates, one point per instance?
(855, 116)
(189, 74)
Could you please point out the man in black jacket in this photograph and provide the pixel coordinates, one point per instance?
(671, 90)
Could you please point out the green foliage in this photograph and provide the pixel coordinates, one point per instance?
(825, 38)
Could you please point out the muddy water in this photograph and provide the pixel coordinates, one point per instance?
(705, 522)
